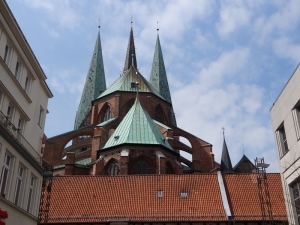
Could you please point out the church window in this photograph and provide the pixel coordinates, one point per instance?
(114, 169)
(158, 114)
(141, 168)
(107, 114)
(133, 85)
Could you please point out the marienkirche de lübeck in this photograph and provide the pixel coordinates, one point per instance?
(124, 164)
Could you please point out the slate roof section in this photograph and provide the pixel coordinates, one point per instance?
(226, 166)
(158, 77)
(94, 85)
(130, 54)
(137, 127)
(101, 198)
(125, 82)
(244, 196)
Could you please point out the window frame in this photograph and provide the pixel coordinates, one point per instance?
(7, 53)
(282, 142)
(4, 190)
(296, 118)
(21, 175)
(31, 194)
(41, 116)
(27, 85)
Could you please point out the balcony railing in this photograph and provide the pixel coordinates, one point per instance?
(19, 138)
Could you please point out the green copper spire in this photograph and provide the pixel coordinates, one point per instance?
(137, 127)
(130, 54)
(158, 77)
(94, 84)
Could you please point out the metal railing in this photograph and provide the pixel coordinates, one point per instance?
(14, 131)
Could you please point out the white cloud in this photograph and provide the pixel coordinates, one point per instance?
(58, 11)
(285, 48)
(233, 15)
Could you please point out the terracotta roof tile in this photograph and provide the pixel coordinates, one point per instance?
(100, 198)
(243, 196)
(134, 198)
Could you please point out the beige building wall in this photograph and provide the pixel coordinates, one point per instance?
(285, 116)
(23, 107)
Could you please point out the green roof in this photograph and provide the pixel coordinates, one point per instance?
(125, 82)
(137, 127)
(94, 84)
(158, 77)
(84, 162)
(107, 122)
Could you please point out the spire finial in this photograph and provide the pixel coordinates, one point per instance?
(99, 24)
(223, 132)
(157, 27)
(131, 21)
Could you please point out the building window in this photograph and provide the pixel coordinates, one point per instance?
(17, 70)
(19, 185)
(41, 117)
(27, 84)
(141, 168)
(31, 194)
(5, 175)
(20, 129)
(1, 96)
(114, 169)
(296, 117)
(6, 55)
(282, 141)
(10, 112)
(296, 195)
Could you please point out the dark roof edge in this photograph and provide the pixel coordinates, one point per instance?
(285, 85)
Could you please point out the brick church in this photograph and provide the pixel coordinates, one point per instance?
(124, 164)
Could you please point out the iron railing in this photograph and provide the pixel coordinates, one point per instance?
(14, 131)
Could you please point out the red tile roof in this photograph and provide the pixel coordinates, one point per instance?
(134, 198)
(243, 196)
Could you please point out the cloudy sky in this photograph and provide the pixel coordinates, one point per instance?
(226, 61)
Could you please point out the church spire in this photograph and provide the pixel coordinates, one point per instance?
(94, 84)
(158, 77)
(130, 54)
(226, 166)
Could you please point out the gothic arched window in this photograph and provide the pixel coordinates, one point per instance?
(114, 169)
(141, 167)
(158, 114)
(106, 114)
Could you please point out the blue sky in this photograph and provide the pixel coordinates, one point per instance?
(226, 61)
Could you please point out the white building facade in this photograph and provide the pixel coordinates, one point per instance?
(285, 115)
(24, 97)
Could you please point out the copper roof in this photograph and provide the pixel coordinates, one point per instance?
(134, 198)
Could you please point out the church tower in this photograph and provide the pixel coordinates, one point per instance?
(94, 84)
(129, 127)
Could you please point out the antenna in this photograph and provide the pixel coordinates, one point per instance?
(99, 24)
(131, 21)
(157, 27)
